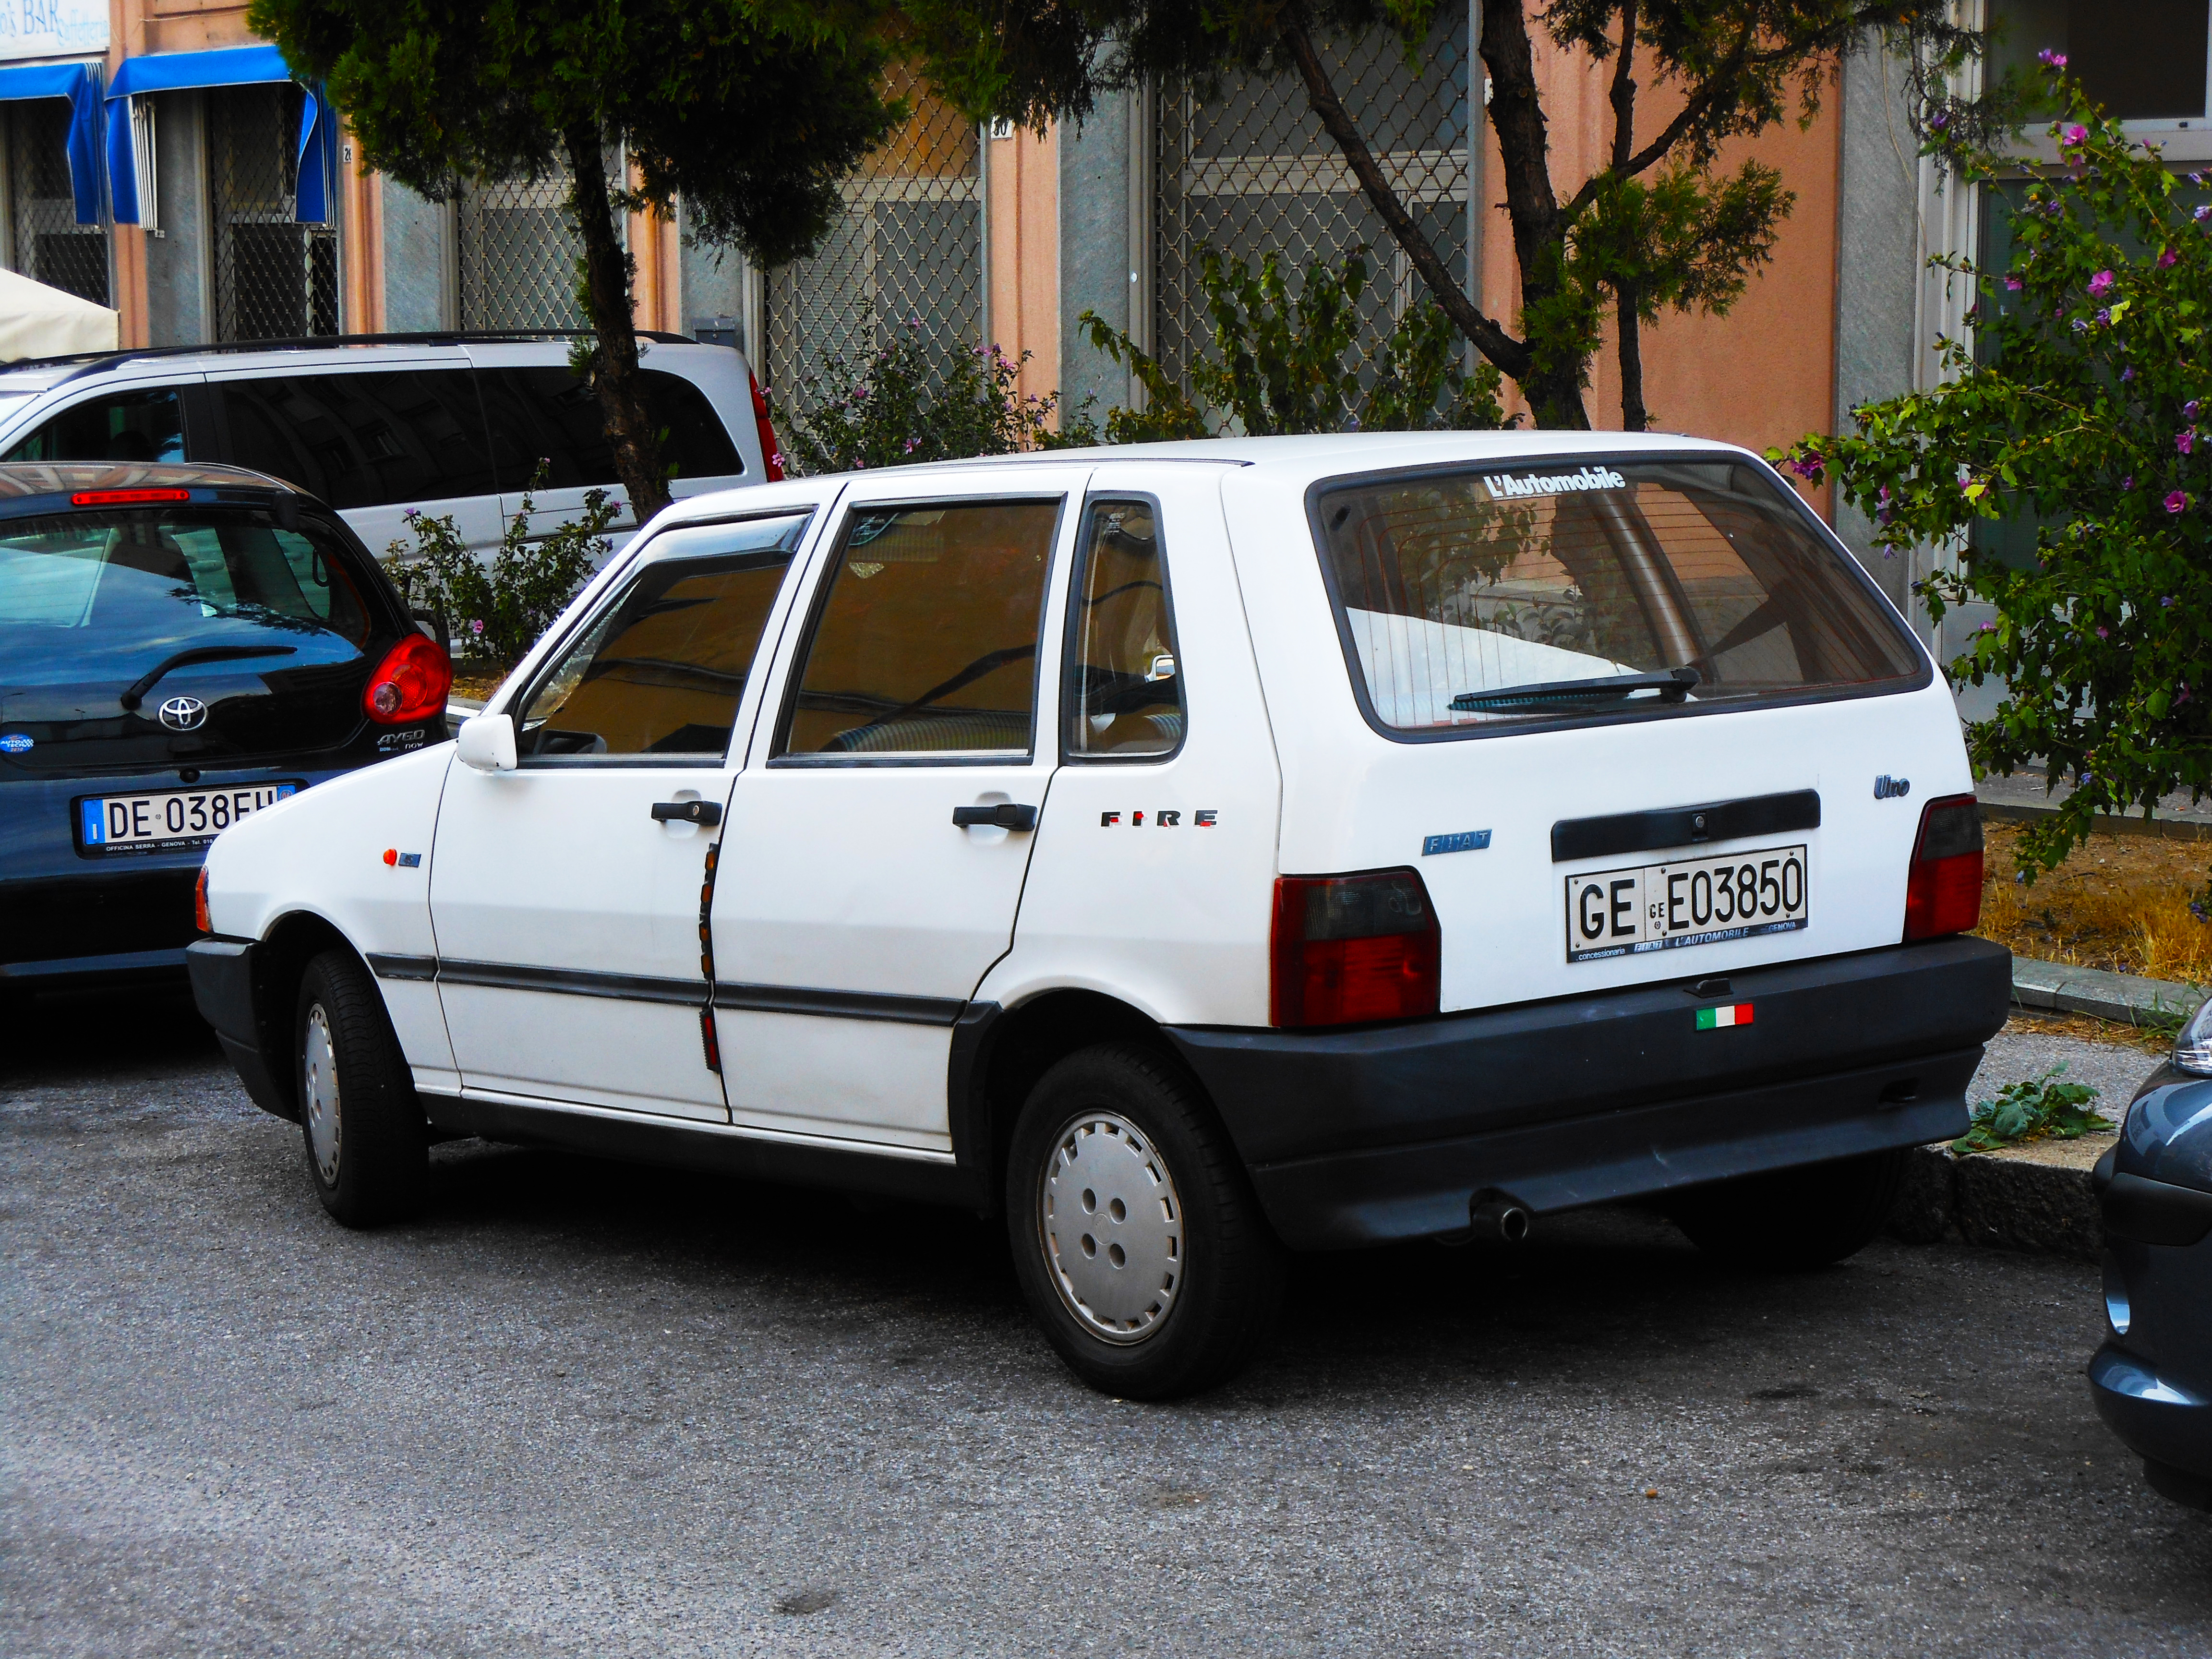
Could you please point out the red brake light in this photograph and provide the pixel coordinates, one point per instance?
(1349, 949)
(411, 684)
(126, 497)
(1944, 894)
(771, 452)
(199, 903)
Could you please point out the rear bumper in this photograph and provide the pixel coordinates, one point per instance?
(223, 985)
(1365, 1136)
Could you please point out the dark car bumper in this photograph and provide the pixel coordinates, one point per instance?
(2163, 1421)
(223, 985)
(1360, 1137)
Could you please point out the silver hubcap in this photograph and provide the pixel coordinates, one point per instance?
(319, 1080)
(1111, 1224)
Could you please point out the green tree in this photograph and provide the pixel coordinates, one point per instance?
(2083, 412)
(1657, 226)
(751, 110)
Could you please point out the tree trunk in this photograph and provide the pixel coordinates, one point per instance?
(615, 375)
(1626, 299)
(1634, 417)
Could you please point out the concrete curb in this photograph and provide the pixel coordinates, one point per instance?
(2128, 998)
(2171, 828)
(2035, 1197)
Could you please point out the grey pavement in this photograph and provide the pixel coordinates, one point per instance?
(584, 1409)
(2021, 1053)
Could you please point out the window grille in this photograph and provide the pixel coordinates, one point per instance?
(275, 279)
(1248, 170)
(48, 243)
(908, 249)
(516, 254)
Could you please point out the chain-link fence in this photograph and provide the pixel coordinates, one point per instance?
(1248, 171)
(516, 253)
(909, 249)
(275, 279)
(47, 243)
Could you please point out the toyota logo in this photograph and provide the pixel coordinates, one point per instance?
(183, 713)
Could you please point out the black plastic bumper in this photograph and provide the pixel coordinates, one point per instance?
(222, 972)
(1365, 1136)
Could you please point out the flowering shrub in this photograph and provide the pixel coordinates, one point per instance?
(494, 611)
(2084, 411)
(894, 406)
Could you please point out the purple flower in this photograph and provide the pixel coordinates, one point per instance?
(2081, 326)
(1940, 119)
(2203, 213)
(2012, 283)
(2177, 502)
(2166, 256)
(2166, 603)
(414, 511)
(2101, 284)
(2128, 482)
(1987, 628)
(2185, 440)
(2102, 635)
(2104, 316)
(2076, 134)
(476, 624)
(2127, 374)
(2189, 409)
(2049, 59)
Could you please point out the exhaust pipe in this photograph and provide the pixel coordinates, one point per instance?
(1493, 1215)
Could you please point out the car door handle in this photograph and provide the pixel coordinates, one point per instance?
(687, 811)
(1004, 816)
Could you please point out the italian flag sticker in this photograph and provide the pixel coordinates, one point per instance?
(1713, 1019)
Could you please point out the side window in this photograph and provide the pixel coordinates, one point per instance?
(548, 415)
(1124, 694)
(926, 638)
(145, 424)
(362, 440)
(660, 671)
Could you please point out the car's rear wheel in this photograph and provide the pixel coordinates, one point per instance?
(368, 1149)
(1140, 1246)
(1794, 1219)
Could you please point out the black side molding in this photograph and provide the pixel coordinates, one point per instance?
(1684, 826)
(839, 1004)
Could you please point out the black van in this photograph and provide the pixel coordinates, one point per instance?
(180, 646)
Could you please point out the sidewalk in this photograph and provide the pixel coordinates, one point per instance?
(2021, 796)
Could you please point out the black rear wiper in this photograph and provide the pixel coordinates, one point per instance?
(1672, 685)
(135, 693)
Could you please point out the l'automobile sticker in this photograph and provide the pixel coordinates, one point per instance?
(1504, 486)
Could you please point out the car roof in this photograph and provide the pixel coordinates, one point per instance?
(19, 479)
(1335, 451)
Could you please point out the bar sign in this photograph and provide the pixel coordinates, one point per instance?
(1713, 1019)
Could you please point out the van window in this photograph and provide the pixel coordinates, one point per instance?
(660, 671)
(1580, 590)
(146, 423)
(1125, 693)
(926, 639)
(548, 415)
(365, 439)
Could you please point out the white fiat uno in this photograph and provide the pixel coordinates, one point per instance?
(1198, 854)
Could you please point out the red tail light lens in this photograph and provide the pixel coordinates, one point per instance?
(199, 903)
(127, 497)
(1944, 895)
(1349, 949)
(411, 684)
(771, 452)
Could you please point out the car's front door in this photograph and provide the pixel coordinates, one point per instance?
(876, 846)
(565, 893)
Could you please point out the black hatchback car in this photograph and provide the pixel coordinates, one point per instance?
(179, 646)
(2152, 1380)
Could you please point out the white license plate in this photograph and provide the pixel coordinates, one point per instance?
(1661, 907)
(170, 819)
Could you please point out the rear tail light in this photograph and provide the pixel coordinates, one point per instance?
(411, 684)
(1944, 895)
(1349, 949)
(771, 452)
(127, 497)
(199, 903)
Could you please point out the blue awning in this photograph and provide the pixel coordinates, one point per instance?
(80, 84)
(238, 66)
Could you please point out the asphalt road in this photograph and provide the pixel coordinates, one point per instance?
(583, 1409)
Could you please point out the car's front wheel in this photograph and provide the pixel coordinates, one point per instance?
(1140, 1246)
(368, 1150)
(1794, 1219)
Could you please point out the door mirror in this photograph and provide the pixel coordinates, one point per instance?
(487, 742)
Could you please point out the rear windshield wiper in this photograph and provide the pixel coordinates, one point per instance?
(135, 693)
(1672, 685)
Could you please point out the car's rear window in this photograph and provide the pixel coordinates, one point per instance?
(107, 594)
(1487, 599)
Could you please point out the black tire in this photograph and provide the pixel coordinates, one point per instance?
(368, 1147)
(1206, 1270)
(1794, 1219)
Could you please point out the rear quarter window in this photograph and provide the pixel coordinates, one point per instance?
(1496, 598)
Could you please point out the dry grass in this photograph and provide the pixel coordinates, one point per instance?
(2119, 903)
(477, 680)
(2037, 1022)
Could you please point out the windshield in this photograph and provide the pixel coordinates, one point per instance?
(1531, 586)
(107, 595)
